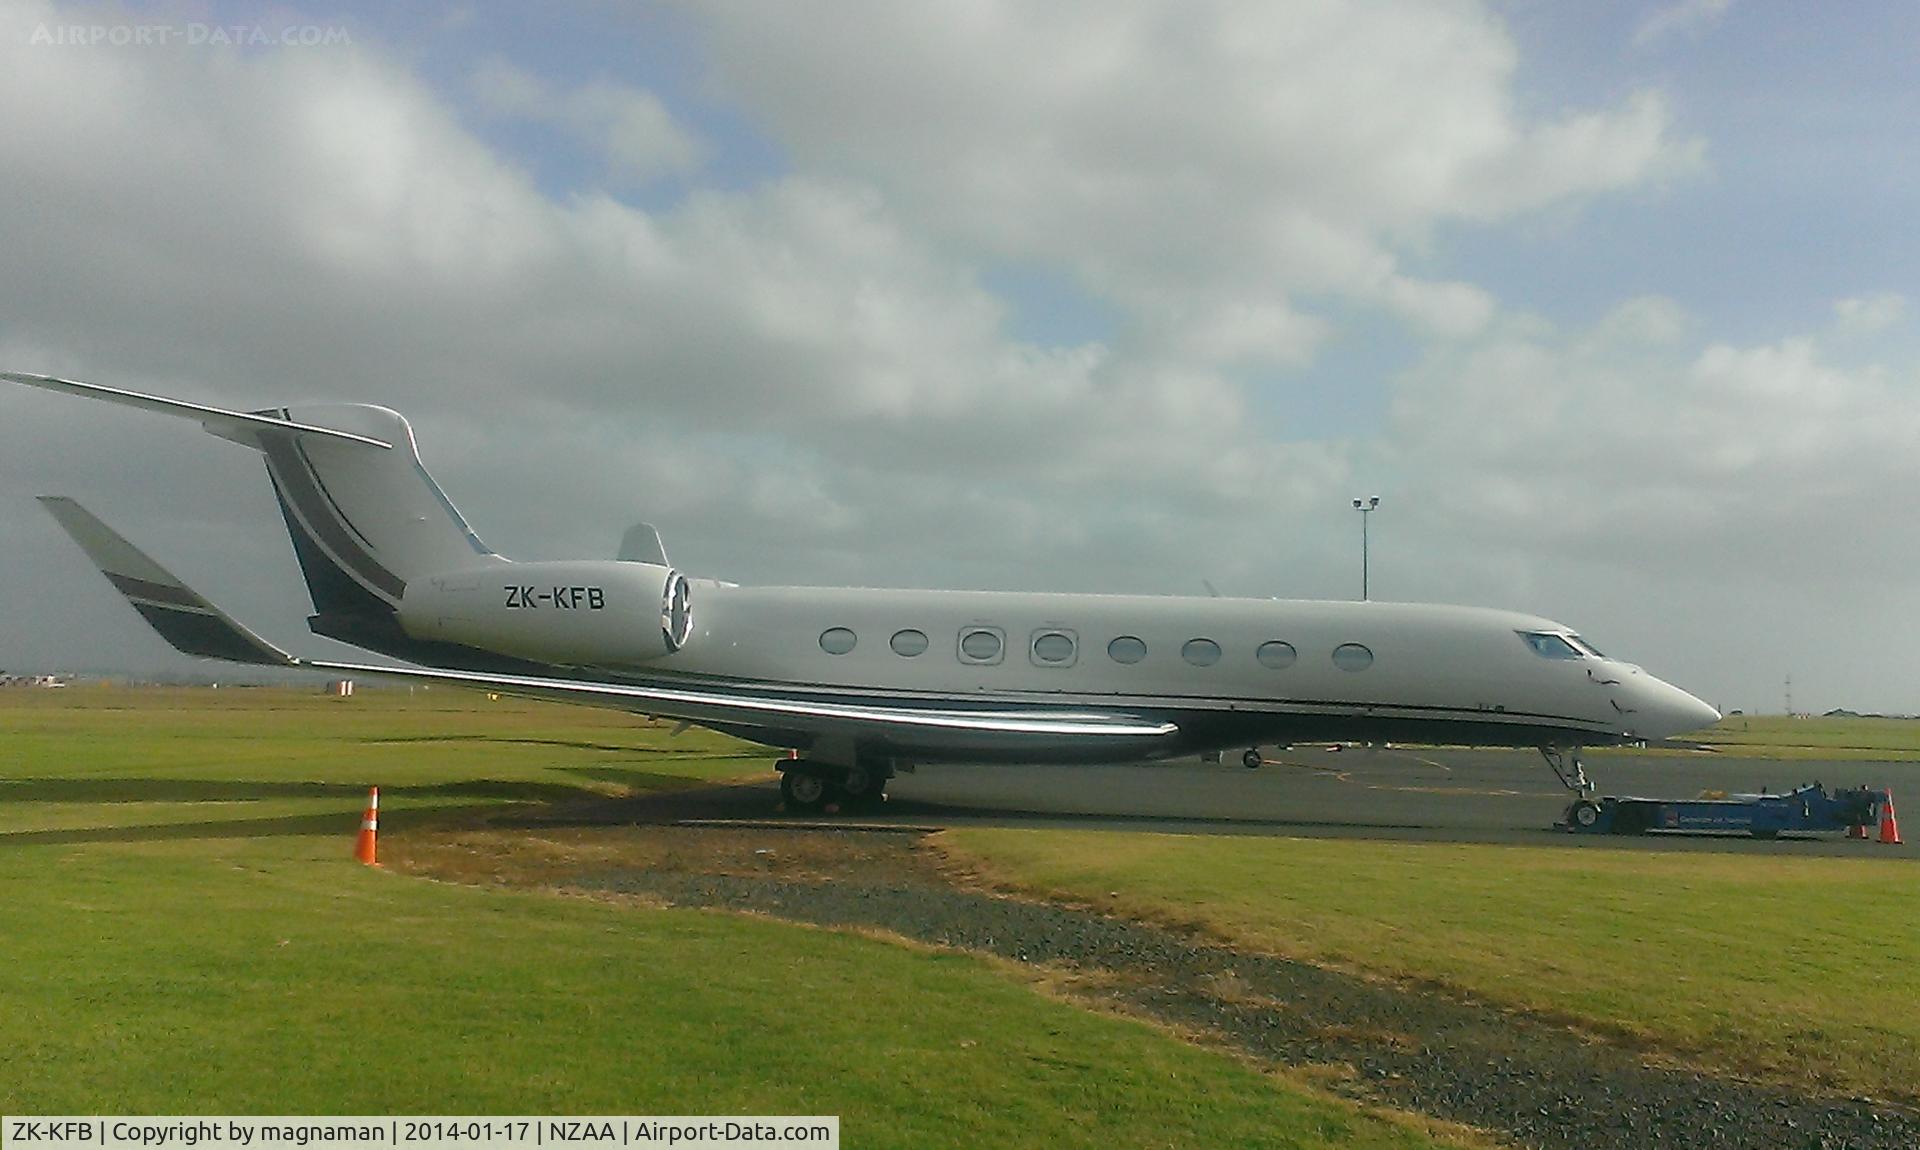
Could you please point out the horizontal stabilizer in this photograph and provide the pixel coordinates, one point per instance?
(239, 426)
(191, 624)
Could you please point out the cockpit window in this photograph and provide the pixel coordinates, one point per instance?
(1586, 648)
(1547, 645)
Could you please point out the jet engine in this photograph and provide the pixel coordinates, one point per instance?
(583, 613)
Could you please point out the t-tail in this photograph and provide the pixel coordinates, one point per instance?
(365, 517)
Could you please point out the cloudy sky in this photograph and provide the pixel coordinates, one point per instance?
(1609, 304)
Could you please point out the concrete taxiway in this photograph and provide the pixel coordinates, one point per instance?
(1413, 794)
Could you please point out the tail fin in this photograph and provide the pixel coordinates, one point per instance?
(364, 523)
(365, 516)
(193, 625)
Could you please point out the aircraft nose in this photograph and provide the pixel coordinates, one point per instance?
(1669, 711)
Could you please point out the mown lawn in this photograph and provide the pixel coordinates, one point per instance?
(185, 934)
(1789, 737)
(1804, 969)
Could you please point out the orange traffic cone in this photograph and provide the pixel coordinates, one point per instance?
(1889, 825)
(365, 849)
(1856, 831)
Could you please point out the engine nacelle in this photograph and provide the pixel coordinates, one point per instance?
(584, 612)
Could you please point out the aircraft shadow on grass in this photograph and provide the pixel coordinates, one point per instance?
(416, 805)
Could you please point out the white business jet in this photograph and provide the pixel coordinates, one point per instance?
(861, 682)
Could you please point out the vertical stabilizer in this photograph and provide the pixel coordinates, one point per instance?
(364, 523)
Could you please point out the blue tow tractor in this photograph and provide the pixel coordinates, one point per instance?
(1808, 808)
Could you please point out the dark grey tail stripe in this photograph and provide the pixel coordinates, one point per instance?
(320, 485)
(154, 592)
(298, 485)
(209, 636)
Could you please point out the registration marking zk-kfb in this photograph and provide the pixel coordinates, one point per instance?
(523, 598)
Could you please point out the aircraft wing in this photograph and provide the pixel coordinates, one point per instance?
(746, 709)
(196, 627)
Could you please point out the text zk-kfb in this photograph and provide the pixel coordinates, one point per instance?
(523, 598)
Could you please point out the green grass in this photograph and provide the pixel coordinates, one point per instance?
(1787, 737)
(219, 761)
(1801, 969)
(226, 962)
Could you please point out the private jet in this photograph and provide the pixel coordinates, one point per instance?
(858, 684)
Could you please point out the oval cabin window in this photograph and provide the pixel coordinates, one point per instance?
(1276, 655)
(837, 640)
(1127, 649)
(980, 645)
(1352, 657)
(1201, 652)
(909, 643)
(1053, 647)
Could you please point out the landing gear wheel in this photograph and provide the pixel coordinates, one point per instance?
(1584, 813)
(1252, 759)
(863, 787)
(802, 791)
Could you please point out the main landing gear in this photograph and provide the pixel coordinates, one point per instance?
(810, 787)
(1582, 812)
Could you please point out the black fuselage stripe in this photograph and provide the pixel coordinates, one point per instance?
(1054, 700)
(1213, 706)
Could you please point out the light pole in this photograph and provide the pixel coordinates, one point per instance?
(1365, 508)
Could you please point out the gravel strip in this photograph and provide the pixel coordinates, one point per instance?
(1537, 1084)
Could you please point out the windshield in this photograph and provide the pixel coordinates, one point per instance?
(1548, 645)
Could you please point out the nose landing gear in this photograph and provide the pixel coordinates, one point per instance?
(1565, 764)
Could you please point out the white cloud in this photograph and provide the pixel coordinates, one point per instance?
(789, 361)
(1686, 18)
(1869, 315)
(630, 129)
(1249, 155)
(1622, 445)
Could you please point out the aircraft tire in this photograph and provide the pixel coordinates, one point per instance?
(804, 791)
(1583, 814)
(862, 788)
(1252, 759)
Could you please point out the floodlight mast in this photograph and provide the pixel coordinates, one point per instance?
(1365, 508)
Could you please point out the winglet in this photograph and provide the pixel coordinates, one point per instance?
(191, 624)
(238, 426)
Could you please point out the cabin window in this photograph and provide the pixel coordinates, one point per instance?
(1352, 657)
(1277, 655)
(837, 640)
(1547, 645)
(908, 643)
(982, 645)
(1201, 652)
(1054, 648)
(1127, 649)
